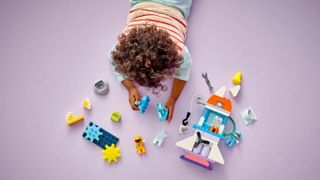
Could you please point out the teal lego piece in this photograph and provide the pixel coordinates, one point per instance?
(162, 112)
(99, 136)
(92, 132)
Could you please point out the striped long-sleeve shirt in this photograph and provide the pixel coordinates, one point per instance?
(163, 17)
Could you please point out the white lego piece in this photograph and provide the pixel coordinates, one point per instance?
(235, 90)
(201, 121)
(161, 136)
(187, 143)
(220, 92)
(215, 154)
(248, 116)
(183, 129)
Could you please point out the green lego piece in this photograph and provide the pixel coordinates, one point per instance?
(115, 116)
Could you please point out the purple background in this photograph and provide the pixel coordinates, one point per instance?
(53, 51)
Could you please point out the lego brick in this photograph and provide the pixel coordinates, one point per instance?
(73, 119)
(115, 116)
(197, 161)
(143, 104)
(220, 92)
(99, 136)
(101, 87)
(162, 112)
(248, 116)
(159, 139)
(235, 90)
(237, 78)
(87, 104)
(111, 153)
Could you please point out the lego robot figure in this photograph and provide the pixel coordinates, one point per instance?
(139, 143)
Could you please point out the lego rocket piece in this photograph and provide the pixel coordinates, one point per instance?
(87, 104)
(236, 79)
(220, 92)
(235, 90)
(159, 139)
(71, 119)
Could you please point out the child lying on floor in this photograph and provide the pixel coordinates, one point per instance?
(151, 48)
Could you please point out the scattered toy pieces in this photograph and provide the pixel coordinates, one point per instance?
(71, 119)
(235, 137)
(101, 87)
(139, 143)
(116, 116)
(99, 136)
(162, 112)
(235, 90)
(143, 104)
(161, 136)
(111, 153)
(236, 79)
(87, 104)
(248, 116)
(205, 76)
(184, 128)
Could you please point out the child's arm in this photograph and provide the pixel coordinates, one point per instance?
(177, 87)
(133, 93)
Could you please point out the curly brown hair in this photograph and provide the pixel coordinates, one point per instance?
(146, 55)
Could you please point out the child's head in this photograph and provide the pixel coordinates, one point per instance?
(146, 55)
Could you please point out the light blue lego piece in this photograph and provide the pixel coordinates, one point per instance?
(92, 132)
(234, 138)
(162, 112)
(143, 103)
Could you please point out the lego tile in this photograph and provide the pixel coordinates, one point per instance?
(100, 136)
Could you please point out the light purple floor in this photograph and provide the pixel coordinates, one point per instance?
(53, 51)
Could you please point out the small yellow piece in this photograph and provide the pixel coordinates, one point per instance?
(139, 143)
(87, 104)
(111, 153)
(71, 119)
(236, 79)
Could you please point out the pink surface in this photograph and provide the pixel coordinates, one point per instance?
(53, 51)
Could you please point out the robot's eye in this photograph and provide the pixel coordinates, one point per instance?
(137, 140)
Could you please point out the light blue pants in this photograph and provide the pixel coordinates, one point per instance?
(183, 5)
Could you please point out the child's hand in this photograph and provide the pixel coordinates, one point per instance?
(170, 106)
(133, 97)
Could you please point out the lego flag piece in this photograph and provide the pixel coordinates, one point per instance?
(235, 90)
